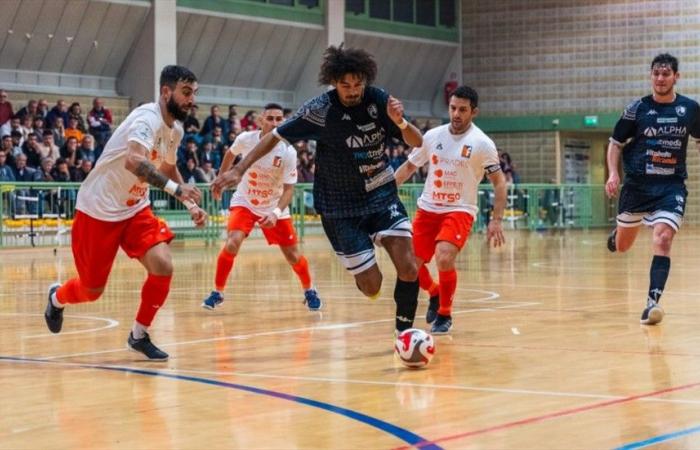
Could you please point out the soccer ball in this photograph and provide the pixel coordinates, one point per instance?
(415, 348)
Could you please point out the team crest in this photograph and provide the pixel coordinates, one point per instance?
(277, 162)
(372, 111)
(439, 146)
(680, 110)
(466, 151)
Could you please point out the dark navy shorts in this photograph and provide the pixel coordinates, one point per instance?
(651, 203)
(353, 238)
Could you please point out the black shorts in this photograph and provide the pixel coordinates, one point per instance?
(353, 238)
(651, 203)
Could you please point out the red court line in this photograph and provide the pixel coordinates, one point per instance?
(554, 415)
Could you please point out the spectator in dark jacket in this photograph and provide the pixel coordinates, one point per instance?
(60, 110)
(100, 121)
(6, 173)
(213, 120)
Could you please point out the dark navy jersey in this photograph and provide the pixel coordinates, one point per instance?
(658, 134)
(353, 176)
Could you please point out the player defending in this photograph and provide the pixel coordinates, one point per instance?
(113, 208)
(459, 155)
(652, 136)
(354, 188)
(263, 197)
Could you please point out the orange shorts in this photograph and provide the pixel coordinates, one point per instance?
(429, 228)
(243, 219)
(95, 242)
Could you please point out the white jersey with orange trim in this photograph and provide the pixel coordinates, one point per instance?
(261, 186)
(112, 193)
(457, 166)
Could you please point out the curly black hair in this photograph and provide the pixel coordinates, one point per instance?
(667, 60)
(340, 61)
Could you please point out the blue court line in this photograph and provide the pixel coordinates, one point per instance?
(400, 433)
(661, 438)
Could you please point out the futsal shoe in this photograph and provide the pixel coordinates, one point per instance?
(214, 300)
(652, 314)
(53, 315)
(442, 324)
(312, 300)
(611, 241)
(146, 347)
(431, 313)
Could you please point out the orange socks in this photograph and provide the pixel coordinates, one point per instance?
(301, 268)
(224, 264)
(448, 286)
(426, 281)
(73, 292)
(153, 294)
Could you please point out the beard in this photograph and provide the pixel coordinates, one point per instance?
(176, 111)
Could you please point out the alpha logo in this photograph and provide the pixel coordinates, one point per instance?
(680, 110)
(668, 130)
(372, 111)
(652, 112)
(466, 151)
(439, 146)
(354, 142)
(346, 117)
(277, 162)
(365, 140)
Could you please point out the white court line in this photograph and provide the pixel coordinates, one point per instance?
(585, 288)
(589, 268)
(366, 382)
(111, 323)
(280, 332)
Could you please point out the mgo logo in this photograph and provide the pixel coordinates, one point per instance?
(668, 130)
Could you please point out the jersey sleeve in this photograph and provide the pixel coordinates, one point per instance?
(290, 166)
(419, 155)
(307, 123)
(627, 125)
(238, 145)
(490, 163)
(143, 131)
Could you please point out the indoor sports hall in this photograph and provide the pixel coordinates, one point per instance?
(547, 349)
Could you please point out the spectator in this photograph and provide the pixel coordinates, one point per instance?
(76, 112)
(42, 109)
(6, 173)
(396, 156)
(22, 172)
(213, 120)
(187, 170)
(305, 168)
(205, 174)
(231, 137)
(87, 149)
(5, 107)
(14, 124)
(27, 126)
(16, 138)
(32, 150)
(69, 152)
(191, 124)
(207, 154)
(60, 110)
(82, 172)
(47, 147)
(44, 172)
(31, 110)
(100, 120)
(233, 120)
(61, 171)
(217, 140)
(59, 132)
(249, 121)
(73, 130)
(189, 151)
(38, 125)
(508, 168)
(6, 147)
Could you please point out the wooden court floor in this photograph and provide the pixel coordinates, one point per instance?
(546, 353)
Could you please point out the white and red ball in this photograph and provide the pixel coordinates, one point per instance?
(414, 347)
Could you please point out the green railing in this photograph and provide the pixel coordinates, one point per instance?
(42, 213)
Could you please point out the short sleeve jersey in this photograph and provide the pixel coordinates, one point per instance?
(458, 163)
(353, 176)
(111, 192)
(261, 186)
(658, 137)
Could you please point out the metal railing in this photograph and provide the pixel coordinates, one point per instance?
(42, 213)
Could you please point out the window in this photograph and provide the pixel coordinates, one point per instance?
(355, 6)
(403, 11)
(425, 12)
(447, 13)
(380, 9)
(282, 2)
(308, 3)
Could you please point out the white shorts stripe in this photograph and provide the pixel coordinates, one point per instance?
(631, 220)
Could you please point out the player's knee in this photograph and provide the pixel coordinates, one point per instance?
(408, 271)
(370, 287)
(444, 261)
(163, 267)
(664, 238)
(233, 246)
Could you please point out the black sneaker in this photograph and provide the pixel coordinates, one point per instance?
(611, 241)
(431, 313)
(146, 347)
(442, 324)
(652, 314)
(53, 315)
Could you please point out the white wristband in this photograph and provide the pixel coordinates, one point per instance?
(277, 212)
(403, 124)
(189, 204)
(171, 187)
